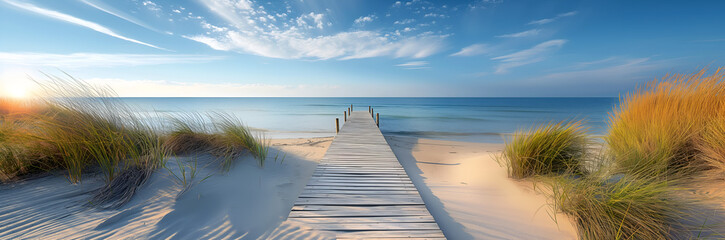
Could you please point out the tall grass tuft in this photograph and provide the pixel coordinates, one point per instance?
(236, 138)
(189, 133)
(655, 129)
(547, 149)
(623, 207)
(228, 138)
(90, 126)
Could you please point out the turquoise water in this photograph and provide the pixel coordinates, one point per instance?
(460, 119)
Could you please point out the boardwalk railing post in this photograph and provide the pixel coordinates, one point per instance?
(350, 107)
(372, 113)
(337, 125)
(370, 109)
(345, 114)
(378, 121)
(349, 111)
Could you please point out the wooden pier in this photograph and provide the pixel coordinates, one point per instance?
(360, 190)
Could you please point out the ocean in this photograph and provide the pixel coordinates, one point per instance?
(459, 119)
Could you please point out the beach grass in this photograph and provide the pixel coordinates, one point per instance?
(219, 134)
(621, 206)
(660, 137)
(551, 148)
(236, 138)
(80, 128)
(657, 128)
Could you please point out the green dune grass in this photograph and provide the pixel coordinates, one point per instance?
(80, 128)
(552, 148)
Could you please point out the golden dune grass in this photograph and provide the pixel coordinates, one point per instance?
(657, 128)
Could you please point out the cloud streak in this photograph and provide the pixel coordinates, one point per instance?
(550, 20)
(413, 64)
(77, 21)
(528, 33)
(107, 9)
(84, 60)
(475, 49)
(527, 56)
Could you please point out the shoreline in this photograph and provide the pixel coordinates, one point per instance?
(461, 184)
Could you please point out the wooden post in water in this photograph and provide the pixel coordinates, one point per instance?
(345, 113)
(378, 121)
(337, 125)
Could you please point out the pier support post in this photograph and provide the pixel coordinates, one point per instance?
(349, 111)
(337, 125)
(378, 121)
(372, 113)
(350, 107)
(345, 114)
(370, 109)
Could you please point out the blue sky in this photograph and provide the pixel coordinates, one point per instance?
(230, 48)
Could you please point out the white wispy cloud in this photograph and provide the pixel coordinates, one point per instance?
(549, 20)
(84, 60)
(528, 33)
(527, 56)
(365, 19)
(110, 10)
(302, 38)
(413, 64)
(74, 20)
(475, 49)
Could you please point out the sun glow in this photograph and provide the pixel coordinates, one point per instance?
(17, 91)
(15, 84)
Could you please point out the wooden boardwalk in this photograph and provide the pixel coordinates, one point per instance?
(360, 190)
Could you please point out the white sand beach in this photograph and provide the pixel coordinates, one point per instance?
(464, 188)
(470, 195)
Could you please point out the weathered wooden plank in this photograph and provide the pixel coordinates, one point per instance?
(358, 180)
(359, 201)
(348, 177)
(387, 238)
(376, 226)
(359, 188)
(298, 214)
(365, 192)
(399, 219)
(393, 234)
(359, 184)
(359, 208)
(358, 175)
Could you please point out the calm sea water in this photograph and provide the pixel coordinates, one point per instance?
(461, 119)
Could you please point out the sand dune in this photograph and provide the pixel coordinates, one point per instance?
(466, 191)
(244, 203)
(470, 195)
